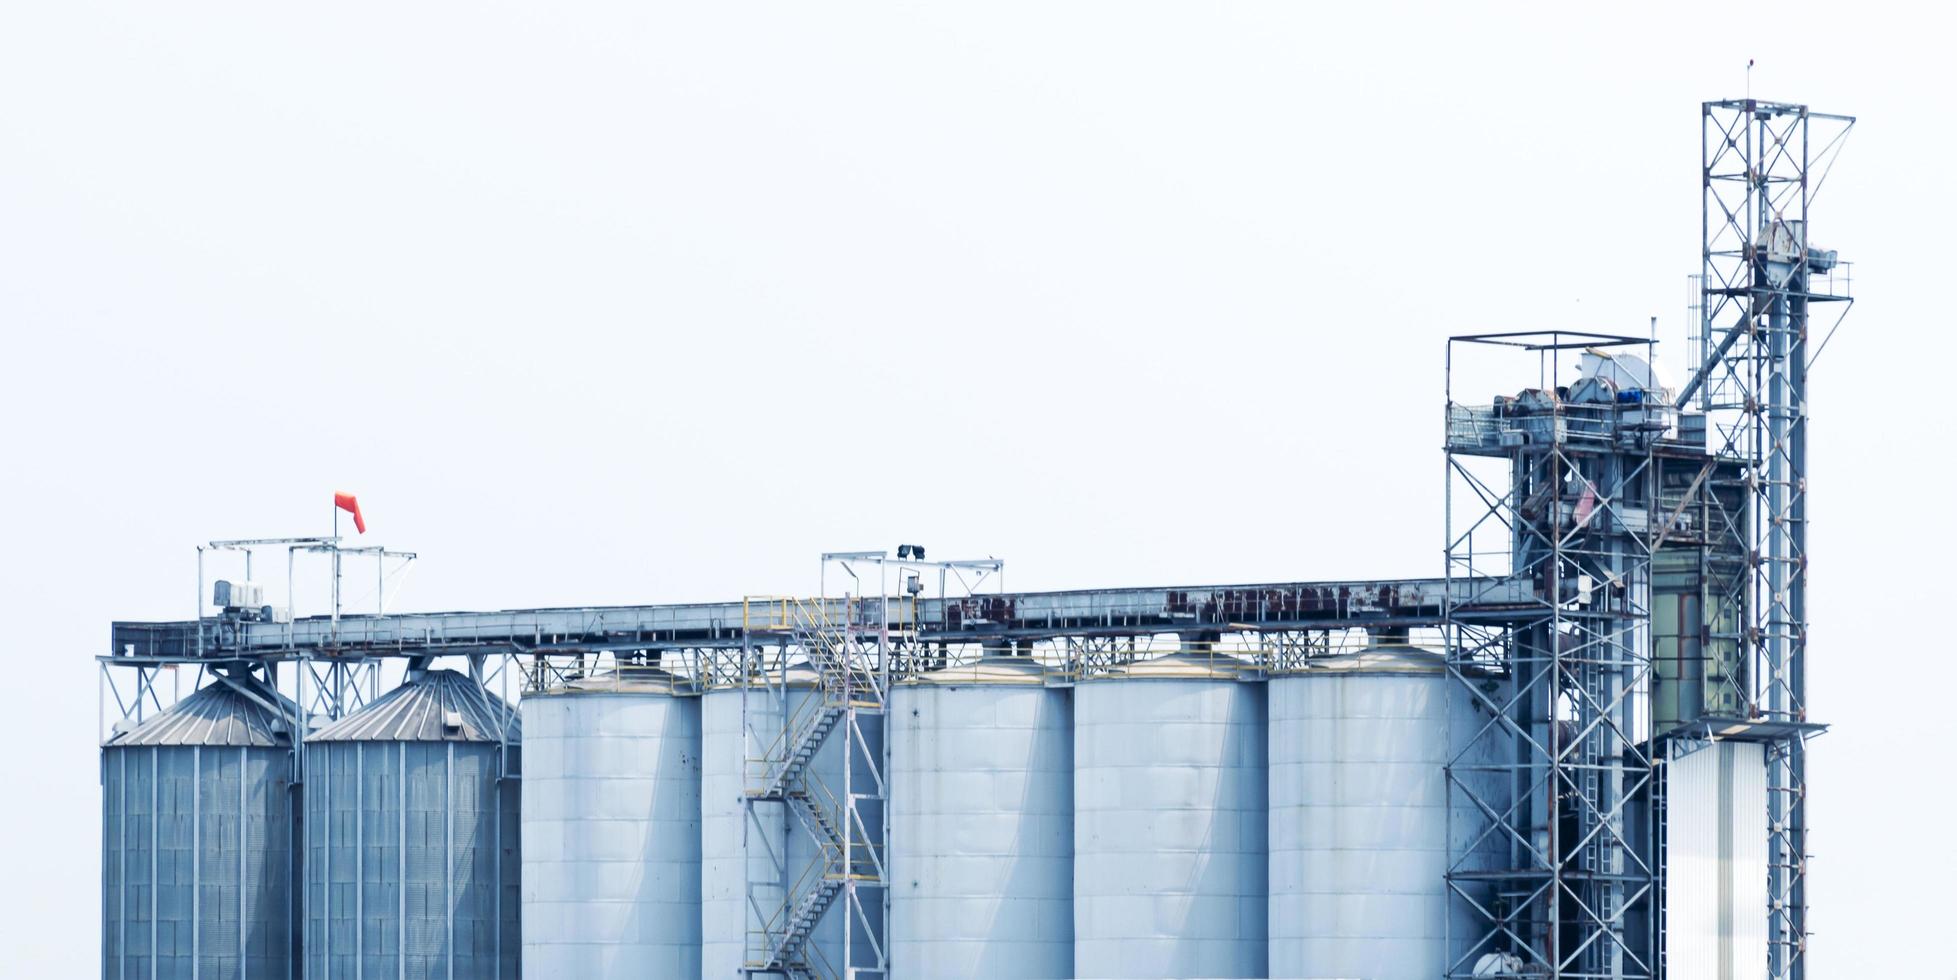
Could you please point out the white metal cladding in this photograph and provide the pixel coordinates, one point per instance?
(412, 846)
(197, 844)
(611, 834)
(1716, 861)
(738, 845)
(1169, 824)
(981, 811)
(1359, 821)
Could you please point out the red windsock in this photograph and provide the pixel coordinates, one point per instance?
(346, 502)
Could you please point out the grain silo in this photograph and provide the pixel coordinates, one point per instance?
(197, 855)
(740, 842)
(611, 828)
(814, 853)
(760, 857)
(412, 836)
(1169, 812)
(1359, 816)
(981, 814)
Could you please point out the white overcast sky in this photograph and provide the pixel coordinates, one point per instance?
(605, 303)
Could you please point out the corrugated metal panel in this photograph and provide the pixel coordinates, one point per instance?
(611, 834)
(197, 853)
(738, 843)
(227, 712)
(420, 711)
(1716, 862)
(1170, 862)
(411, 849)
(197, 839)
(1359, 830)
(981, 810)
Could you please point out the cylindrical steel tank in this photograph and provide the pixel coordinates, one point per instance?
(981, 824)
(611, 828)
(197, 850)
(806, 857)
(1359, 816)
(1169, 812)
(412, 856)
(760, 857)
(740, 842)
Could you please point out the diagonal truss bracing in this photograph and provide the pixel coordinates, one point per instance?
(1559, 492)
(1769, 299)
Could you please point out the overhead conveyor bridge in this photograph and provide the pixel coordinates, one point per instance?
(985, 618)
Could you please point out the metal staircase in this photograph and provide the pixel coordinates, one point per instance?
(848, 665)
(801, 746)
(787, 954)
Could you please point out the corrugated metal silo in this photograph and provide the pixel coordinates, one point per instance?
(197, 856)
(611, 829)
(412, 836)
(1359, 821)
(981, 811)
(1169, 812)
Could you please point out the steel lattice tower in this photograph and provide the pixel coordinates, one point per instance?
(1558, 491)
(1762, 165)
(1606, 506)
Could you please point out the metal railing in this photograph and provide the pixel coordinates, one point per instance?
(1483, 428)
(601, 672)
(849, 660)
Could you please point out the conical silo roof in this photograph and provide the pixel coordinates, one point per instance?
(1380, 660)
(988, 672)
(436, 706)
(229, 712)
(632, 680)
(1181, 666)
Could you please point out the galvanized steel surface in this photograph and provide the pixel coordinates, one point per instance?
(981, 811)
(437, 706)
(611, 834)
(1716, 857)
(197, 845)
(1169, 826)
(1359, 817)
(412, 849)
(225, 712)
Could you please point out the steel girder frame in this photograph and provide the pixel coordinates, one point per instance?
(1762, 164)
(1559, 871)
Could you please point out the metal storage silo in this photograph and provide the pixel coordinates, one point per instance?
(412, 836)
(1359, 816)
(1169, 811)
(760, 857)
(197, 850)
(807, 861)
(737, 845)
(611, 828)
(981, 813)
